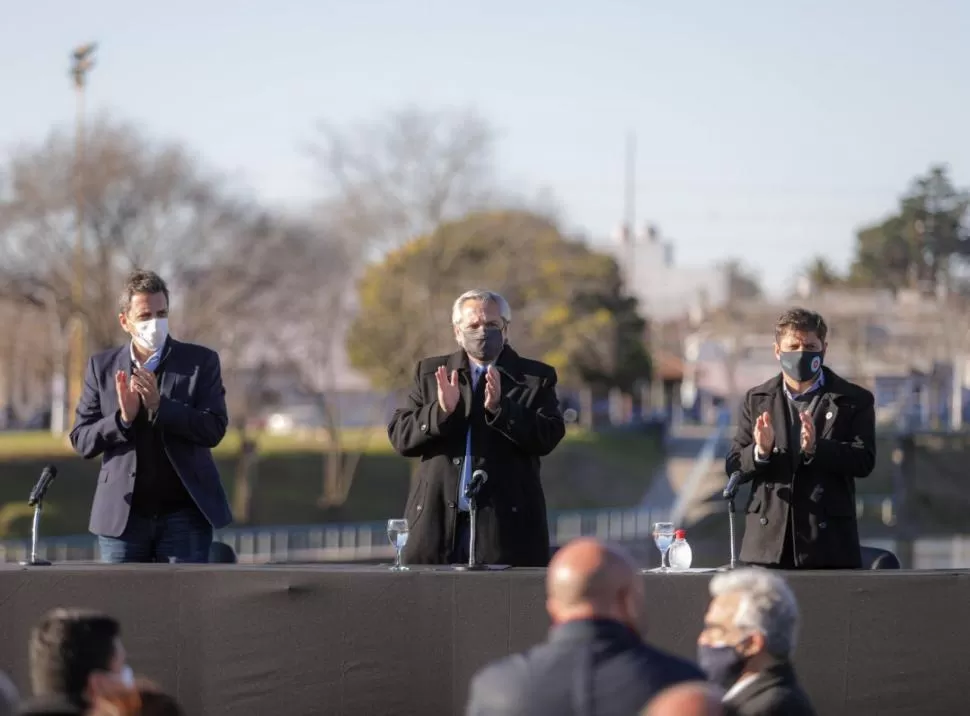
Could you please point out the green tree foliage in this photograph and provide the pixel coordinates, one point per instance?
(925, 243)
(569, 306)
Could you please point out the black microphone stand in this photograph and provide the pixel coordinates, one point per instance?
(731, 510)
(36, 500)
(730, 492)
(34, 560)
(472, 494)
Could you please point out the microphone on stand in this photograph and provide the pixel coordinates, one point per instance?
(475, 485)
(730, 491)
(36, 500)
(734, 482)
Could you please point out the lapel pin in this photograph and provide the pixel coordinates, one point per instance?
(828, 415)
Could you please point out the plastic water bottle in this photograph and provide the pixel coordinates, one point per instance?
(679, 556)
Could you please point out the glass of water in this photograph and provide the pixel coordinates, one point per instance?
(663, 537)
(397, 533)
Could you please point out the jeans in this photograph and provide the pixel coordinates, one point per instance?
(185, 535)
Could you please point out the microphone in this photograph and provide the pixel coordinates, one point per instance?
(40, 489)
(36, 500)
(734, 482)
(475, 485)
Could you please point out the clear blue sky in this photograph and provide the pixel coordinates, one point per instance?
(767, 130)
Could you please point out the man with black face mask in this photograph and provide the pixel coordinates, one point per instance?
(750, 631)
(483, 407)
(802, 439)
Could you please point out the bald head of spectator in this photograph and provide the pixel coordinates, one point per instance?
(587, 579)
(692, 698)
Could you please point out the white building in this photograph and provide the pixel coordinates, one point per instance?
(666, 291)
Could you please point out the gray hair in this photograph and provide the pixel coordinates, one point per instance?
(767, 606)
(139, 281)
(479, 294)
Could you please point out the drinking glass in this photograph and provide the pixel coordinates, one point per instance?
(663, 537)
(397, 533)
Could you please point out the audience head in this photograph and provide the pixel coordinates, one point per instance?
(9, 698)
(691, 698)
(76, 653)
(752, 621)
(587, 579)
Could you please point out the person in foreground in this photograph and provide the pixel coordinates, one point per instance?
(687, 699)
(153, 409)
(9, 697)
(595, 661)
(483, 407)
(75, 655)
(802, 439)
(750, 631)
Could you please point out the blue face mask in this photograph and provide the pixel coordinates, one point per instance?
(801, 365)
(722, 664)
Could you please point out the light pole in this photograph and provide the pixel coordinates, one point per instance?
(82, 60)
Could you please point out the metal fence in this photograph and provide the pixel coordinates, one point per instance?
(348, 542)
(368, 540)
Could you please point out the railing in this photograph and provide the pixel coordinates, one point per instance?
(348, 542)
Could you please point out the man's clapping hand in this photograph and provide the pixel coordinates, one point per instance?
(128, 400)
(447, 389)
(764, 434)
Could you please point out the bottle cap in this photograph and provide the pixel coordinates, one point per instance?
(680, 534)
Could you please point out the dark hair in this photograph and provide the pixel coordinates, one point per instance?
(801, 320)
(67, 647)
(139, 281)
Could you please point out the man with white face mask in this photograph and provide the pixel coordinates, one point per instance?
(153, 409)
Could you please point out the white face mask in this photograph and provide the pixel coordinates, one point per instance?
(151, 334)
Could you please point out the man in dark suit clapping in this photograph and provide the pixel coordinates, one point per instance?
(153, 409)
(595, 662)
(484, 407)
(803, 438)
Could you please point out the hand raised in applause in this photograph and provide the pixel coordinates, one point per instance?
(808, 433)
(146, 385)
(447, 389)
(764, 434)
(128, 400)
(493, 389)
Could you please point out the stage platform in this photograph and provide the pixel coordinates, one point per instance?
(362, 641)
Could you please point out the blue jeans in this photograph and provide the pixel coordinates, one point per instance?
(185, 535)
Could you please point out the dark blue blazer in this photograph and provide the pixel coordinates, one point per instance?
(595, 667)
(192, 416)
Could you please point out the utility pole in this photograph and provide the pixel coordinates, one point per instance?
(630, 208)
(82, 60)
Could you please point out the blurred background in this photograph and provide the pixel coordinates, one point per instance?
(650, 185)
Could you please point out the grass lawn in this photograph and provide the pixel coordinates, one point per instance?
(588, 470)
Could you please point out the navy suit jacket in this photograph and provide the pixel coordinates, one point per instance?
(192, 418)
(595, 667)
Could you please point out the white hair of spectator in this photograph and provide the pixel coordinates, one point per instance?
(767, 605)
(479, 294)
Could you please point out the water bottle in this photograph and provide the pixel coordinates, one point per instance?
(680, 554)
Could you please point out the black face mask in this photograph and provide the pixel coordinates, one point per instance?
(721, 664)
(483, 344)
(801, 365)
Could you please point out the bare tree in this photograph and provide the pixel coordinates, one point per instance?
(392, 179)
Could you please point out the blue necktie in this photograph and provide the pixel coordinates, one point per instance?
(466, 465)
